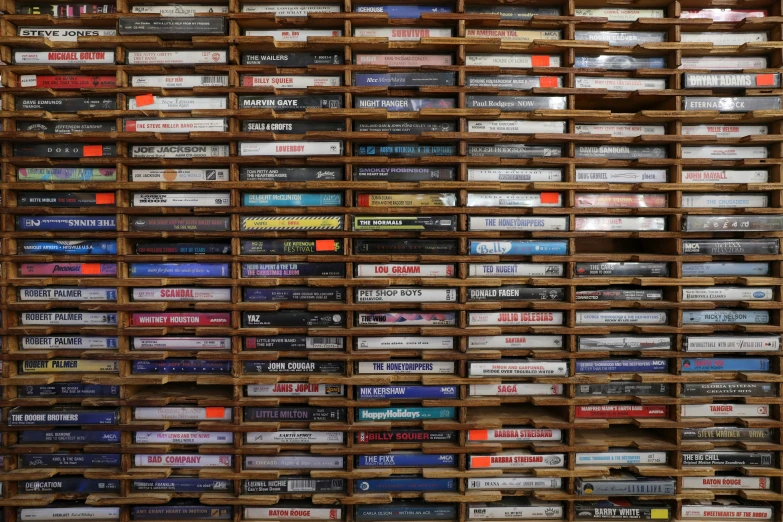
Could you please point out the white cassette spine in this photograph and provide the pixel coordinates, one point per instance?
(621, 457)
(515, 318)
(402, 34)
(515, 175)
(403, 295)
(517, 460)
(521, 512)
(734, 200)
(295, 437)
(723, 38)
(513, 223)
(64, 57)
(518, 368)
(66, 342)
(753, 293)
(512, 482)
(179, 151)
(624, 317)
(184, 81)
(508, 199)
(295, 389)
(621, 175)
(515, 269)
(182, 343)
(176, 57)
(724, 410)
(518, 126)
(405, 343)
(180, 103)
(182, 294)
(187, 413)
(478, 342)
(723, 482)
(515, 434)
(713, 512)
(298, 35)
(723, 63)
(620, 224)
(176, 174)
(619, 84)
(291, 148)
(293, 82)
(64, 34)
(404, 270)
(179, 10)
(411, 367)
(64, 318)
(724, 131)
(522, 61)
(619, 14)
(724, 152)
(287, 10)
(183, 437)
(279, 513)
(179, 460)
(514, 389)
(67, 294)
(182, 199)
(725, 176)
(732, 344)
(173, 126)
(620, 130)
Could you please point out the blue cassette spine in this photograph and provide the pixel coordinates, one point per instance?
(403, 11)
(70, 485)
(413, 483)
(68, 223)
(416, 460)
(182, 366)
(183, 485)
(622, 365)
(722, 364)
(70, 437)
(406, 150)
(70, 389)
(73, 460)
(407, 392)
(282, 200)
(61, 418)
(86, 247)
(519, 248)
(180, 270)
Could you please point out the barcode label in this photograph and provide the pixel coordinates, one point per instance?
(214, 81)
(325, 342)
(301, 485)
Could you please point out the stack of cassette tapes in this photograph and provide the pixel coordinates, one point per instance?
(359, 261)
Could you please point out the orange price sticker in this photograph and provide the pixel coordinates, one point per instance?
(92, 151)
(144, 100)
(540, 61)
(91, 269)
(550, 197)
(214, 412)
(104, 198)
(325, 245)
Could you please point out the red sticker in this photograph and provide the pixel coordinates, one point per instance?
(325, 245)
(105, 198)
(91, 269)
(765, 79)
(540, 61)
(548, 81)
(144, 100)
(215, 412)
(550, 197)
(91, 151)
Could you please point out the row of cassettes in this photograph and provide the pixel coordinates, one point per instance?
(302, 149)
(397, 173)
(506, 12)
(511, 82)
(405, 223)
(503, 103)
(602, 343)
(391, 295)
(384, 200)
(442, 247)
(511, 368)
(514, 508)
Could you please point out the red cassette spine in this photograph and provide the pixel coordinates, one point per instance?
(612, 411)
